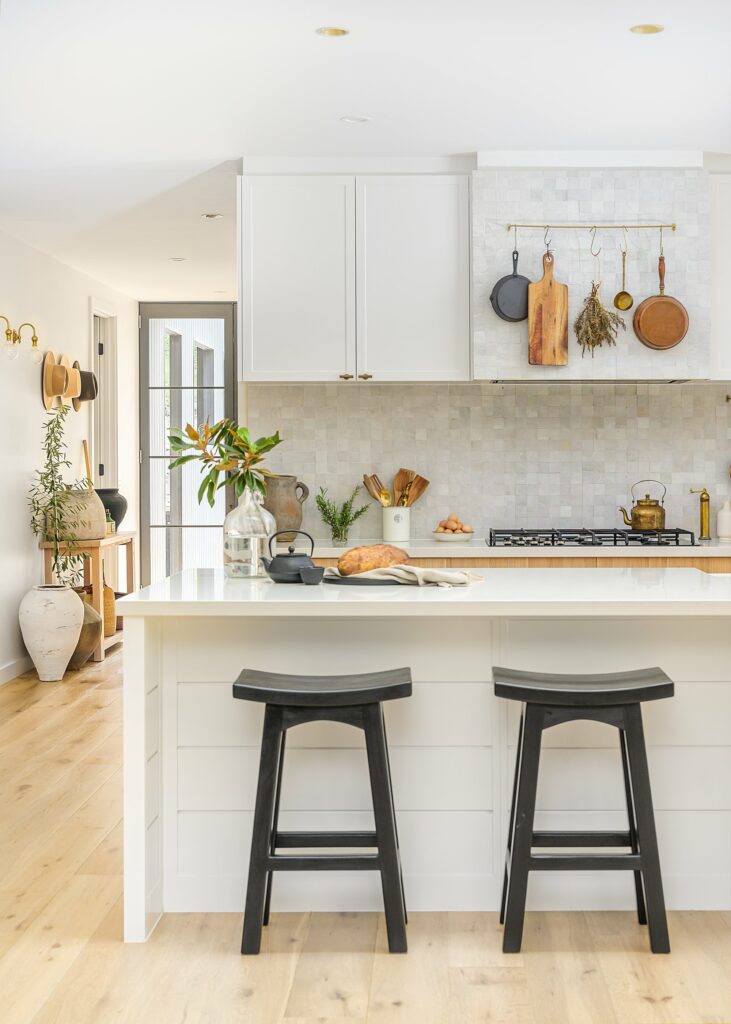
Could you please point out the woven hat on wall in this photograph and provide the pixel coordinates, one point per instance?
(54, 381)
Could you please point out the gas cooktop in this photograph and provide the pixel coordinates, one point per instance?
(589, 538)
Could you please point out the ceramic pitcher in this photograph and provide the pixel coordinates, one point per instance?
(285, 497)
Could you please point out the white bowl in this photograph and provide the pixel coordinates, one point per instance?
(452, 538)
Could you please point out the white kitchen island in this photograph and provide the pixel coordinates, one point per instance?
(191, 752)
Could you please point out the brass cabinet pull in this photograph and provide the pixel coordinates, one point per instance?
(346, 376)
(364, 376)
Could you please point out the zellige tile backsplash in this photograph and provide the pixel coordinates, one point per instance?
(503, 455)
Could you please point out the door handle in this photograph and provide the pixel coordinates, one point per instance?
(364, 376)
(346, 376)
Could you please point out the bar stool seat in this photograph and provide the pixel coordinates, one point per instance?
(605, 689)
(291, 700)
(612, 699)
(323, 691)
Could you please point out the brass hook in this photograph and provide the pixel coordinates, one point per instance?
(593, 241)
(661, 248)
(624, 236)
(546, 240)
(515, 236)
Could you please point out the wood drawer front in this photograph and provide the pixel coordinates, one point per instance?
(651, 562)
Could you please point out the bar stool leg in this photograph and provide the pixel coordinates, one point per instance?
(632, 817)
(393, 896)
(646, 834)
(261, 834)
(523, 833)
(395, 825)
(275, 826)
(512, 819)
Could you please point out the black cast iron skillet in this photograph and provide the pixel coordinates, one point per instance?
(509, 297)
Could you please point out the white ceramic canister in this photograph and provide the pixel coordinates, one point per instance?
(723, 522)
(397, 524)
(50, 618)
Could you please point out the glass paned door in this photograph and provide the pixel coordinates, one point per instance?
(187, 375)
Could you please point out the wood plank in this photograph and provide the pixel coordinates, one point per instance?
(317, 989)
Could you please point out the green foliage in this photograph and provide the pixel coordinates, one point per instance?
(339, 517)
(53, 512)
(227, 456)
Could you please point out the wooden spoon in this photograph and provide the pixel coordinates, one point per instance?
(418, 485)
(370, 485)
(402, 478)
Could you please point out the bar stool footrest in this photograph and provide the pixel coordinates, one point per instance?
(546, 838)
(585, 862)
(303, 840)
(323, 862)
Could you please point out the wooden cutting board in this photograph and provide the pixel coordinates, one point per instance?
(548, 319)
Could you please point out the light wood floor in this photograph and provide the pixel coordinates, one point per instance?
(62, 959)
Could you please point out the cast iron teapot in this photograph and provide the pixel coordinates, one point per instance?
(292, 567)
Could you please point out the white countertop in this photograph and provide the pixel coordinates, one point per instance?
(427, 547)
(503, 593)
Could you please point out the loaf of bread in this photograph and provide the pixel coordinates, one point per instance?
(371, 556)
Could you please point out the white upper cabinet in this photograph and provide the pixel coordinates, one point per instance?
(297, 286)
(311, 243)
(413, 277)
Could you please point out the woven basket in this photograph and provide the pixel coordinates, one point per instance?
(110, 612)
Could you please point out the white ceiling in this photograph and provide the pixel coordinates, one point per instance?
(123, 122)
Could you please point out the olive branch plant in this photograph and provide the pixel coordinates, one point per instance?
(53, 512)
(227, 455)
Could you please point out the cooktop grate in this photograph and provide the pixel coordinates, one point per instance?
(590, 538)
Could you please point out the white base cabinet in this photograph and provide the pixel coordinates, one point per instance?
(354, 278)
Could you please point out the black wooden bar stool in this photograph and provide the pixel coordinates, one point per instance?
(293, 700)
(613, 699)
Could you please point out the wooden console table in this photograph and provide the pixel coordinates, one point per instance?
(93, 552)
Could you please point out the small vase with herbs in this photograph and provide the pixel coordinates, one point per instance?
(339, 517)
(229, 457)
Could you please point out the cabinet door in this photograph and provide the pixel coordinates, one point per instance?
(720, 274)
(413, 280)
(297, 285)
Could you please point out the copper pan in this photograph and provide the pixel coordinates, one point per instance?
(660, 321)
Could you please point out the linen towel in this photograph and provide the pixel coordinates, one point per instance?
(415, 576)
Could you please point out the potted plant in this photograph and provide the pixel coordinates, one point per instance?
(229, 456)
(51, 615)
(339, 517)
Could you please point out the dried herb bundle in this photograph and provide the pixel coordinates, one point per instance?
(595, 325)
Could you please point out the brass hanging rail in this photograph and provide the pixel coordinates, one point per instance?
(598, 227)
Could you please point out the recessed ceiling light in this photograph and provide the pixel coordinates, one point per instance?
(354, 119)
(647, 30)
(178, 259)
(331, 30)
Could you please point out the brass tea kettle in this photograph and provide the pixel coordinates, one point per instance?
(647, 513)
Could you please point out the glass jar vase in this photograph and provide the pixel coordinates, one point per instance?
(246, 532)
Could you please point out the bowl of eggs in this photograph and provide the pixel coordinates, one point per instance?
(453, 529)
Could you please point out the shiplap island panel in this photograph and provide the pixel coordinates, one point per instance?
(191, 751)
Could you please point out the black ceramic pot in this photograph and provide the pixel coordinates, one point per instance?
(114, 502)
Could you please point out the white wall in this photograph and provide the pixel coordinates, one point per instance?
(56, 298)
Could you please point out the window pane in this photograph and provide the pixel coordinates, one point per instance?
(177, 409)
(186, 353)
(175, 549)
(174, 497)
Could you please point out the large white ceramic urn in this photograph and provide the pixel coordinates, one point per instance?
(50, 621)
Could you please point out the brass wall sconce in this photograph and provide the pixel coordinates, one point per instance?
(13, 339)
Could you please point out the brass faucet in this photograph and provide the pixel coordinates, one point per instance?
(705, 512)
